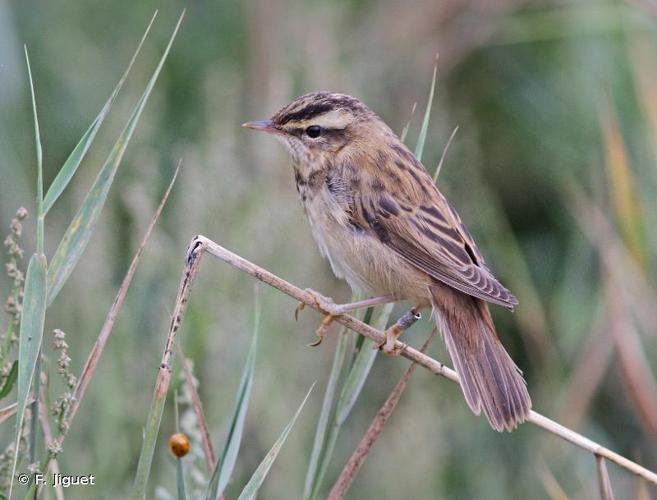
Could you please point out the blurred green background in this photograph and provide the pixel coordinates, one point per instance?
(554, 170)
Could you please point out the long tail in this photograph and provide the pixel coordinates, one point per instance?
(490, 380)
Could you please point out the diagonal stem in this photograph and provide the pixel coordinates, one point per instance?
(201, 243)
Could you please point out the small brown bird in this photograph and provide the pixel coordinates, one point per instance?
(379, 218)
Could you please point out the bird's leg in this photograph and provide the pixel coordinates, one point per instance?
(331, 309)
(393, 333)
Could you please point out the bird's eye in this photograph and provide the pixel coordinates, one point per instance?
(313, 131)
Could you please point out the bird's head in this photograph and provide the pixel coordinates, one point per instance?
(316, 126)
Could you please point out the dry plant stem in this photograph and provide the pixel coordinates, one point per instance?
(194, 255)
(7, 412)
(210, 457)
(47, 434)
(163, 380)
(358, 457)
(201, 243)
(606, 492)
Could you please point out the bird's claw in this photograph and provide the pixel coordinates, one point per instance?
(300, 307)
(326, 306)
(321, 330)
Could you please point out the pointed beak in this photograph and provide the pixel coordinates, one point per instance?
(264, 125)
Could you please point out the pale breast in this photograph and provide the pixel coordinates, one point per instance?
(354, 254)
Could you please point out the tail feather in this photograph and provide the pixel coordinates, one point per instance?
(490, 380)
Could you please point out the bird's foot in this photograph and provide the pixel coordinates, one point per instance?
(389, 345)
(322, 329)
(326, 306)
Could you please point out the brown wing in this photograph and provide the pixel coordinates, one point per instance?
(417, 222)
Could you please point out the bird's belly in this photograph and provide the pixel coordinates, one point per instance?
(360, 258)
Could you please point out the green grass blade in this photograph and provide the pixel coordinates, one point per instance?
(30, 336)
(73, 161)
(327, 453)
(355, 381)
(39, 154)
(444, 155)
(350, 391)
(180, 480)
(10, 380)
(328, 403)
(82, 226)
(421, 139)
(251, 489)
(40, 245)
(360, 370)
(404, 131)
(226, 462)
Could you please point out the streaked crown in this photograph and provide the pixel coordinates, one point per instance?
(326, 109)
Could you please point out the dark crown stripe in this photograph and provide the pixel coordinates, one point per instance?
(312, 105)
(310, 111)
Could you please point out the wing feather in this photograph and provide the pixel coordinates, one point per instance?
(419, 224)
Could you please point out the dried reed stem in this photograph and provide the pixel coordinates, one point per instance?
(606, 492)
(210, 457)
(201, 243)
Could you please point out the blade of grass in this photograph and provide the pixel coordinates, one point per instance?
(226, 463)
(442, 156)
(350, 391)
(645, 80)
(96, 352)
(180, 480)
(82, 226)
(622, 187)
(40, 244)
(422, 137)
(70, 166)
(39, 155)
(30, 335)
(258, 477)
(9, 381)
(327, 408)
(164, 375)
(180, 473)
(355, 462)
(360, 370)
(404, 132)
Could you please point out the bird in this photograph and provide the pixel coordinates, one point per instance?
(381, 221)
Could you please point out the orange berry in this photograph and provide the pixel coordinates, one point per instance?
(179, 444)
